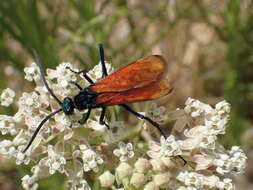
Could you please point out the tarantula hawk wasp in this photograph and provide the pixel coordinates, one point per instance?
(139, 81)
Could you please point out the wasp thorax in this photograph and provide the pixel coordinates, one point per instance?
(85, 99)
(68, 106)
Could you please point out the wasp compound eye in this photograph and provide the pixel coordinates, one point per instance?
(68, 106)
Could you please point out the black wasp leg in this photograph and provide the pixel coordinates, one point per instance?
(82, 72)
(150, 121)
(76, 84)
(85, 117)
(143, 117)
(102, 59)
(102, 116)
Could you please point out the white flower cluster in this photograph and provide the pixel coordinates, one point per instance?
(199, 181)
(96, 72)
(35, 106)
(7, 125)
(91, 159)
(7, 97)
(63, 145)
(208, 123)
(232, 162)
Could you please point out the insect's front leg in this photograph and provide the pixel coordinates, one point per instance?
(76, 84)
(102, 60)
(102, 116)
(85, 117)
(82, 72)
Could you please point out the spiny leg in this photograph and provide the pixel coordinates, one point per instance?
(85, 117)
(76, 84)
(150, 121)
(101, 119)
(144, 117)
(82, 72)
(102, 60)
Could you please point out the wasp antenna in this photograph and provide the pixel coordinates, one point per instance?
(102, 59)
(42, 73)
(39, 127)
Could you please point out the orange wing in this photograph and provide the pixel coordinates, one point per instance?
(138, 74)
(149, 92)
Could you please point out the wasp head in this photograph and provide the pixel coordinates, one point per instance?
(68, 106)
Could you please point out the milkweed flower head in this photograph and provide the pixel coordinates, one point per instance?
(119, 161)
(7, 97)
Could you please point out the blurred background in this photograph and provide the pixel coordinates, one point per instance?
(208, 44)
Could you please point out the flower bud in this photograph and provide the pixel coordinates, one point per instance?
(124, 170)
(151, 186)
(161, 179)
(138, 180)
(142, 165)
(158, 164)
(106, 179)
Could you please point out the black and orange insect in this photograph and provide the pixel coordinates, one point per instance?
(141, 80)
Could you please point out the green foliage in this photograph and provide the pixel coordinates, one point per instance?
(237, 34)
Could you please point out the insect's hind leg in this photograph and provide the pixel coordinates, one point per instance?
(101, 119)
(156, 125)
(82, 72)
(150, 121)
(102, 60)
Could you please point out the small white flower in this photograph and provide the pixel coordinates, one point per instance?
(202, 161)
(157, 114)
(96, 126)
(5, 146)
(62, 73)
(7, 97)
(200, 137)
(32, 73)
(211, 181)
(79, 184)
(167, 147)
(28, 102)
(216, 125)
(124, 151)
(226, 184)
(195, 108)
(238, 158)
(90, 159)
(7, 125)
(233, 162)
(96, 72)
(223, 108)
(191, 179)
(55, 161)
(63, 77)
(28, 183)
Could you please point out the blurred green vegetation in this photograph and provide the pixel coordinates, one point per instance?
(70, 31)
